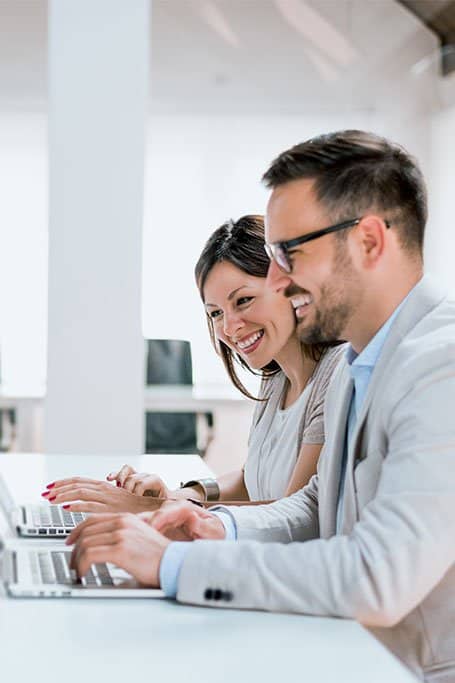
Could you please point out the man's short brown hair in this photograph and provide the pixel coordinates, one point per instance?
(354, 172)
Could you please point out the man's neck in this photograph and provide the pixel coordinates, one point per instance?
(376, 309)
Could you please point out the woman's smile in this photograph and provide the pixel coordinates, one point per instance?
(250, 343)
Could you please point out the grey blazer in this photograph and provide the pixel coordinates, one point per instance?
(392, 567)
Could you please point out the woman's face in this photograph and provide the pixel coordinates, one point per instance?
(253, 320)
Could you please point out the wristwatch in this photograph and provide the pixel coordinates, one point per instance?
(209, 486)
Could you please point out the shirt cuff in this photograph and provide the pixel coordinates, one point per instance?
(174, 555)
(228, 523)
(171, 564)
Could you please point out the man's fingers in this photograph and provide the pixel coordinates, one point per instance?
(176, 515)
(147, 517)
(83, 560)
(107, 517)
(88, 541)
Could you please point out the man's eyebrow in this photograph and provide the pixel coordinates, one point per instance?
(231, 295)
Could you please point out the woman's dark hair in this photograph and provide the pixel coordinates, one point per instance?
(242, 244)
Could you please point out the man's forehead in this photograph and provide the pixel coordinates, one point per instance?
(292, 210)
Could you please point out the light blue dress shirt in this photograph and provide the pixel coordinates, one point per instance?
(172, 560)
(361, 367)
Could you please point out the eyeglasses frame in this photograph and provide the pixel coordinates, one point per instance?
(286, 245)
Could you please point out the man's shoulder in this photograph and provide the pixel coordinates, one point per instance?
(433, 330)
(428, 347)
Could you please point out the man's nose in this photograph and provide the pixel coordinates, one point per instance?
(276, 279)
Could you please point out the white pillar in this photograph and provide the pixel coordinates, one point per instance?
(98, 73)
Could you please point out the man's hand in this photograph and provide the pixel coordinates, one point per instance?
(185, 521)
(125, 540)
(97, 496)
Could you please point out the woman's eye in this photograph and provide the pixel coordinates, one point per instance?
(215, 314)
(244, 300)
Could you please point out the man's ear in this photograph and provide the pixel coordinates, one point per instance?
(370, 239)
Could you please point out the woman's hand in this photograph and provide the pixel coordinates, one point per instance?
(96, 496)
(185, 521)
(140, 483)
(124, 540)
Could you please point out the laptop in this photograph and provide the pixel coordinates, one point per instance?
(43, 572)
(32, 520)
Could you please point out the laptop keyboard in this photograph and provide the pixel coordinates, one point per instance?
(55, 516)
(51, 567)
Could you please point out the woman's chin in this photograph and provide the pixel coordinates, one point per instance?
(257, 363)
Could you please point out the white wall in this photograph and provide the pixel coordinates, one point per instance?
(440, 241)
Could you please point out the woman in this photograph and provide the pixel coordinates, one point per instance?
(254, 326)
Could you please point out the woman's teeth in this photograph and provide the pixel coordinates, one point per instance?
(249, 341)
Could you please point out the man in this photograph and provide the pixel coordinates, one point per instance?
(372, 535)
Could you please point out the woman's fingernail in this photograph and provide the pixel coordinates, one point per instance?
(65, 507)
(46, 493)
(118, 483)
(51, 486)
(53, 498)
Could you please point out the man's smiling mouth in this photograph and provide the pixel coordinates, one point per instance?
(300, 304)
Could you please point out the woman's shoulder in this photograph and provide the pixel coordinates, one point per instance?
(329, 361)
(271, 384)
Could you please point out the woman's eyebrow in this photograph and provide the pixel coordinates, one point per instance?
(234, 292)
(230, 296)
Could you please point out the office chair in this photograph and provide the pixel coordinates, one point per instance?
(169, 362)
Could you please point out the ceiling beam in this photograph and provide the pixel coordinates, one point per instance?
(439, 17)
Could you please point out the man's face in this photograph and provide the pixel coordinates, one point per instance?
(324, 287)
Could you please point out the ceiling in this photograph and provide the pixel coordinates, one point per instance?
(247, 56)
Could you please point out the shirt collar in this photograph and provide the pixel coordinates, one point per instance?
(369, 355)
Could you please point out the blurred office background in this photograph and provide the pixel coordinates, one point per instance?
(129, 130)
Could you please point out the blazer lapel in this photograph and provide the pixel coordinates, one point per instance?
(424, 298)
(335, 447)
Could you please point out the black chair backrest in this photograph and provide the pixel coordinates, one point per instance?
(169, 362)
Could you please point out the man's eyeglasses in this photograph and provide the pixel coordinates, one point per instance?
(279, 251)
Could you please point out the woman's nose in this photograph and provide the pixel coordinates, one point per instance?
(232, 323)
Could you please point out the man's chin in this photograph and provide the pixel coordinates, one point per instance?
(311, 334)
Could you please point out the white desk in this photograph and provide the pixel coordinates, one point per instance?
(83, 641)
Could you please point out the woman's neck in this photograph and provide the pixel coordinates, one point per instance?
(297, 367)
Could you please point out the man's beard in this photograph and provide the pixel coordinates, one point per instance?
(337, 303)
(329, 320)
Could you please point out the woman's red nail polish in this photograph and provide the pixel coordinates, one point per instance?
(118, 483)
(65, 507)
(53, 498)
(46, 493)
(51, 486)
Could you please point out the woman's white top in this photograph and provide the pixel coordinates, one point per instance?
(277, 434)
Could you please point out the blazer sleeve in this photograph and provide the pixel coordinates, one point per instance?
(294, 518)
(399, 550)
